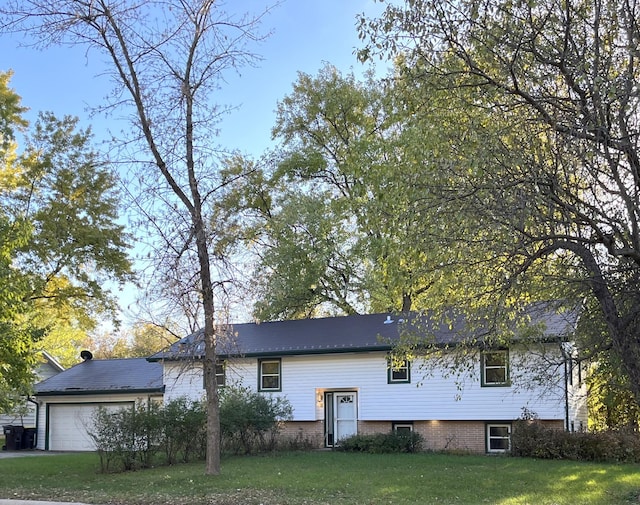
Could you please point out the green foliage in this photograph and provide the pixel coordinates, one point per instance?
(532, 439)
(543, 163)
(149, 434)
(383, 443)
(250, 421)
(183, 423)
(59, 241)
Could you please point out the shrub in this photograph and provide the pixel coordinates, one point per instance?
(250, 421)
(531, 439)
(379, 443)
(184, 425)
(124, 437)
(147, 434)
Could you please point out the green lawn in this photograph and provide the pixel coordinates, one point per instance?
(327, 478)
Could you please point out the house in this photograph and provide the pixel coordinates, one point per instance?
(67, 401)
(338, 376)
(336, 373)
(25, 414)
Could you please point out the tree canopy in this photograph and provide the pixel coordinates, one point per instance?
(60, 238)
(560, 182)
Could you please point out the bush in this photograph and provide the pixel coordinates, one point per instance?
(532, 439)
(184, 430)
(250, 421)
(148, 434)
(380, 443)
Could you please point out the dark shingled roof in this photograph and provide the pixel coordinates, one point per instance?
(356, 333)
(135, 375)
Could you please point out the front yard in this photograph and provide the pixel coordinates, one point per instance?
(327, 478)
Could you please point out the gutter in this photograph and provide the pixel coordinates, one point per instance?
(84, 392)
(566, 358)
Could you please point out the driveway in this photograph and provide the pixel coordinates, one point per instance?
(22, 454)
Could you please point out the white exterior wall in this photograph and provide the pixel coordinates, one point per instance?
(93, 400)
(577, 402)
(304, 380)
(182, 381)
(28, 419)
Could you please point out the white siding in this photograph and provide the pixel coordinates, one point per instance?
(433, 396)
(28, 418)
(183, 381)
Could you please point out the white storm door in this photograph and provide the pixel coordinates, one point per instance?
(345, 408)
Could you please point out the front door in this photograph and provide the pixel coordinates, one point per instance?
(341, 416)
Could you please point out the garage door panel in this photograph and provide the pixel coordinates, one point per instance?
(69, 425)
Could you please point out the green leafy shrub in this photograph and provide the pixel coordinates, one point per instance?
(250, 421)
(184, 430)
(380, 443)
(149, 434)
(532, 439)
(124, 437)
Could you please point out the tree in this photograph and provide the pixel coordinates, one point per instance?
(559, 185)
(341, 229)
(144, 340)
(167, 71)
(60, 240)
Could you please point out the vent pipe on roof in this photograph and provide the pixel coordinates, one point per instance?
(86, 355)
(388, 320)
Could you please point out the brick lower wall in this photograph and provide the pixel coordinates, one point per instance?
(311, 432)
(462, 436)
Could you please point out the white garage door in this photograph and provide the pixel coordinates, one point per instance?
(68, 425)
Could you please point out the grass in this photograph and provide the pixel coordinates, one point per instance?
(327, 478)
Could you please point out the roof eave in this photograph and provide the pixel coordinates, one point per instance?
(98, 392)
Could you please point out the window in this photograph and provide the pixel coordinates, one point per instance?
(398, 371)
(220, 374)
(498, 437)
(495, 368)
(269, 375)
(402, 428)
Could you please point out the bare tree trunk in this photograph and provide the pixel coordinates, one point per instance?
(169, 73)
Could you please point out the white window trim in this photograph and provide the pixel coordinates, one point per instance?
(261, 375)
(489, 437)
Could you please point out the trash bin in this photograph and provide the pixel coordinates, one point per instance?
(29, 438)
(13, 437)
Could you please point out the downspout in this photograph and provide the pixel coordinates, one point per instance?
(29, 399)
(565, 359)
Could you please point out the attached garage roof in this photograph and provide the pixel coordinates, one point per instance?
(135, 375)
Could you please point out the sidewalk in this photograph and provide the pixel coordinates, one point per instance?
(33, 502)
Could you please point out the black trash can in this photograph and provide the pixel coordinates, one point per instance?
(13, 437)
(29, 438)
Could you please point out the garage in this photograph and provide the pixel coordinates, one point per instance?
(70, 424)
(68, 401)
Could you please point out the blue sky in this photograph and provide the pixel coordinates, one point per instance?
(306, 33)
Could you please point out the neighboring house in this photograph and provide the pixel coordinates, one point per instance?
(67, 401)
(336, 374)
(26, 414)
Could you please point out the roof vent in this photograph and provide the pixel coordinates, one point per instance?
(388, 320)
(86, 355)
